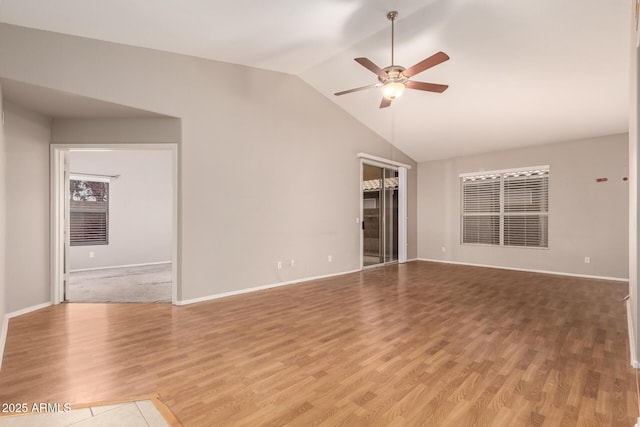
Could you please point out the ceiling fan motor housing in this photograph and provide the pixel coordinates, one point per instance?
(394, 74)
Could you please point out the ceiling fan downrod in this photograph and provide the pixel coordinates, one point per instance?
(391, 16)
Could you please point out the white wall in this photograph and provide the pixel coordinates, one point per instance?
(586, 218)
(140, 204)
(268, 166)
(27, 200)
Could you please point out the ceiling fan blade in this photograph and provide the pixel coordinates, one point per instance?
(385, 102)
(425, 64)
(344, 92)
(366, 63)
(429, 87)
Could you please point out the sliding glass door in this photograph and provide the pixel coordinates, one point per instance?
(380, 214)
(391, 215)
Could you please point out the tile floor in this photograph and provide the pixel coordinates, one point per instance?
(142, 413)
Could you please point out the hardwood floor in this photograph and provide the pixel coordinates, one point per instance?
(414, 344)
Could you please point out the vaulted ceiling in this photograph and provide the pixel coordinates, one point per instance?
(521, 72)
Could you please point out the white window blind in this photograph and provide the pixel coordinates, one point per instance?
(506, 208)
(481, 203)
(89, 212)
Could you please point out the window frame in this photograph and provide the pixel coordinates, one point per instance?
(90, 178)
(502, 173)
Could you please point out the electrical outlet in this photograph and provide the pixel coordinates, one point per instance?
(329, 258)
(444, 249)
(92, 254)
(279, 264)
(587, 260)
(293, 263)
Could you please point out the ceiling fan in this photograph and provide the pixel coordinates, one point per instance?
(394, 79)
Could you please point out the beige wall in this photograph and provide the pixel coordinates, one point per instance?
(586, 218)
(3, 209)
(140, 207)
(27, 200)
(115, 131)
(268, 166)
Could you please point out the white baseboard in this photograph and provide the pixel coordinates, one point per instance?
(120, 266)
(27, 310)
(5, 324)
(558, 273)
(261, 288)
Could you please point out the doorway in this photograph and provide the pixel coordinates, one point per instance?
(380, 214)
(114, 223)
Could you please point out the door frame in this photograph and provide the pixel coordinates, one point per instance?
(402, 169)
(58, 205)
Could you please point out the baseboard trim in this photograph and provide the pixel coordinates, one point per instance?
(632, 337)
(119, 266)
(261, 288)
(528, 270)
(28, 310)
(5, 324)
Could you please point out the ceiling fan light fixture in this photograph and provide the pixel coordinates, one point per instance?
(392, 90)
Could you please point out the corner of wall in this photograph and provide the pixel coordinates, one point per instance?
(3, 276)
(633, 302)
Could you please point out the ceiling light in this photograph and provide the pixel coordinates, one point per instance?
(392, 90)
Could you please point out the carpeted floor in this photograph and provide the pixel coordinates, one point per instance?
(149, 283)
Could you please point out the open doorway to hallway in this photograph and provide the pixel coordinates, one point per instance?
(120, 204)
(116, 225)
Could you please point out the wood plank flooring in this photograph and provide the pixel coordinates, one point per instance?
(414, 344)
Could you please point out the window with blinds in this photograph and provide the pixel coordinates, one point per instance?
(89, 212)
(506, 208)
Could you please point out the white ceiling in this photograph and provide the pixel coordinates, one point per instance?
(521, 72)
